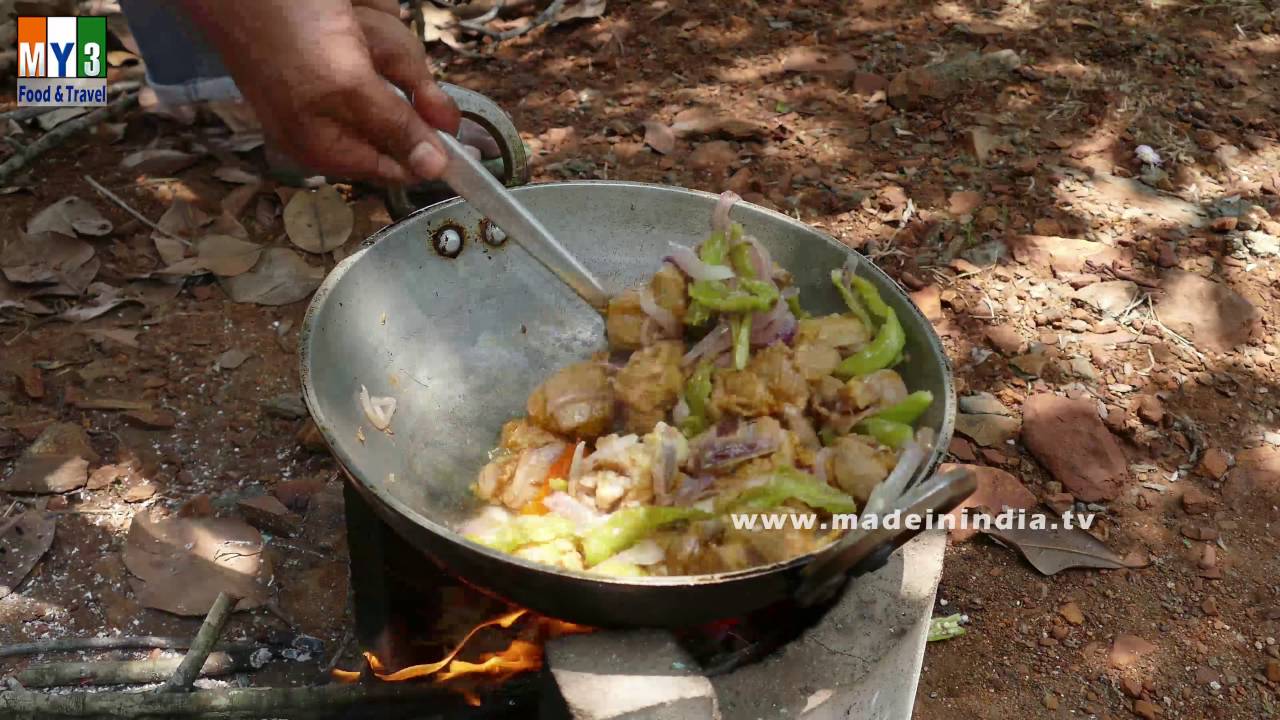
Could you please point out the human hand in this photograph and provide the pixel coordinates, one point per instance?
(316, 74)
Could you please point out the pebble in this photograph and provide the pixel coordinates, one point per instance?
(1050, 701)
(1144, 709)
(1131, 687)
(1071, 613)
(1005, 340)
(1273, 671)
(1150, 409)
(1214, 463)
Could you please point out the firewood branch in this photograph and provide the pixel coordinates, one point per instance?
(202, 645)
(58, 135)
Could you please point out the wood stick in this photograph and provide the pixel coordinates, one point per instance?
(56, 136)
(547, 15)
(115, 643)
(300, 702)
(104, 192)
(125, 672)
(208, 634)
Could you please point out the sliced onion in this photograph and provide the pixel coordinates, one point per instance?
(531, 471)
(572, 509)
(716, 342)
(610, 448)
(378, 409)
(720, 216)
(575, 467)
(820, 462)
(645, 552)
(666, 320)
(692, 489)
(490, 519)
(760, 258)
(693, 266)
(681, 412)
(724, 447)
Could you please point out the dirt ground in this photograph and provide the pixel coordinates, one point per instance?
(949, 177)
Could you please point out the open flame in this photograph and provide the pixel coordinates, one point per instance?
(522, 655)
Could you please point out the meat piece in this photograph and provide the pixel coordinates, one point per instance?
(878, 390)
(668, 450)
(741, 393)
(669, 290)
(775, 365)
(522, 434)
(529, 481)
(577, 401)
(779, 545)
(557, 553)
(611, 487)
(841, 405)
(856, 466)
(801, 427)
(814, 361)
(625, 321)
(821, 342)
(495, 476)
(649, 385)
(730, 443)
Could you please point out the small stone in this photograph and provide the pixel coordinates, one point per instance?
(1205, 675)
(1168, 256)
(1128, 649)
(983, 403)
(104, 476)
(1196, 501)
(1111, 298)
(1050, 701)
(929, 300)
(1199, 532)
(1083, 368)
(1060, 502)
(310, 438)
(1214, 463)
(987, 430)
(1071, 613)
(152, 419)
(714, 156)
(1131, 687)
(1005, 340)
(1273, 671)
(56, 462)
(1069, 439)
(270, 515)
(1227, 223)
(139, 491)
(1060, 632)
(1032, 364)
(1208, 557)
(296, 494)
(1144, 709)
(1150, 409)
(1209, 314)
(962, 450)
(288, 406)
(1209, 607)
(198, 506)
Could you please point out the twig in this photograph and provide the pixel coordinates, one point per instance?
(126, 672)
(295, 702)
(347, 637)
(208, 634)
(129, 209)
(113, 643)
(57, 135)
(542, 18)
(475, 23)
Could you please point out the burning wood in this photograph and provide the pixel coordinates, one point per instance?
(523, 654)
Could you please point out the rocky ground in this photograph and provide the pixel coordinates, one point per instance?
(1084, 197)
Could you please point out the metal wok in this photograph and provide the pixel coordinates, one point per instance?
(459, 326)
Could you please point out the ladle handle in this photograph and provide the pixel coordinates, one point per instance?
(862, 550)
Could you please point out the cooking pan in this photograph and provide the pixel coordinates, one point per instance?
(442, 313)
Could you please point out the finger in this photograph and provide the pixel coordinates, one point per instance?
(387, 122)
(328, 147)
(474, 134)
(400, 57)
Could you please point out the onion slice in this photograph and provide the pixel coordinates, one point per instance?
(575, 468)
(690, 264)
(571, 509)
(715, 342)
(720, 216)
(378, 409)
(666, 320)
(645, 552)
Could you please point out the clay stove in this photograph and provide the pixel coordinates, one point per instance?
(859, 657)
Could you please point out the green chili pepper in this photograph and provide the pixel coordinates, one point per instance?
(787, 483)
(697, 395)
(740, 326)
(793, 302)
(945, 628)
(618, 569)
(714, 249)
(910, 409)
(752, 296)
(886, 432)
(740, 259)
(629, 526)
(870, 296)
(828, 436)
(855, 306)
(697, 314)
(879, 354)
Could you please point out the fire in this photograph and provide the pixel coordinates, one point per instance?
(522, 655)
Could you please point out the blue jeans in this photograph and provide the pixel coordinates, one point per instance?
(182, 67)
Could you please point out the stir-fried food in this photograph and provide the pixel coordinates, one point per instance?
(731, 400)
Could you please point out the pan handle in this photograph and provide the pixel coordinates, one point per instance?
(488, 115)
(863, 551)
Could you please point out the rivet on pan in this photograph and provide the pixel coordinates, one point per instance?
(493, 235)
(448, 241)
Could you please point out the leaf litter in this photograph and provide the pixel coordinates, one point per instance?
(25, 539)
(319, 220)
(1058, 548)
(280, 277)
(70, 216)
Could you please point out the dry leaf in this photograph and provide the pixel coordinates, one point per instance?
(51, 120)
(56, 462)
(158, 161)
(813, 59)
(24, 543)
(702, 120)
(74, 283)
(238, 176)
(234, 203)
(227, 224)
(227, 256)
(186, 267)
(179, 565)
(318, 221)
(581, 10)
(152, 419)
(183, 219)
(103, 299)
(232, 359)
(128, 338)
(280, 277)
(43, 257)
(1057, 548)
(659, 137)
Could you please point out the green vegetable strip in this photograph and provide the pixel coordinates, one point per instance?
(886, 432)
(753, 296)
(741, 328)
(697, 395)
(855, 307)
(794, 303)
(740, 259)
(629, 526)
(870, 297)
(526, 530)
(945, 628)
(790, 484)
(879, 354)
(910, 409)
(714, 249)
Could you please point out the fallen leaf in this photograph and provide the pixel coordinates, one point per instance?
(997, 490)
(25, 541)
(280, 277)
(814, 59)
(702, 120)
(183, 219)
(43, 257)
(179, 565)
(55, 462)
(235, 175)
(69, 216)
(318, 221)
(10, 296)
(171, 250)
(128, 338)
(227, 256)
(152, 419)
(32, 383)
(73, 283)
(581, 10)
(1056, 548)
(103, 299)
(185, 267)
(227, 224)
(51, 120)
(237, 200)
(659, 137)
(158, 161)
(232, 359)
